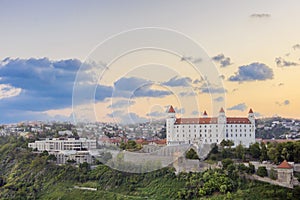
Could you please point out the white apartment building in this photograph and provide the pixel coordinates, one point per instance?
(61, 144)
(208, 130)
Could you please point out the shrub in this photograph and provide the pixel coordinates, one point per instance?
(262, 171)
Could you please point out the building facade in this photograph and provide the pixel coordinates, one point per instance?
(60, 144)
(209, 130)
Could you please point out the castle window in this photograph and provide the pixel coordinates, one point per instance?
(183, 135)
(245, 135)
(250, 135)
(195, 135)
(217, 135)
(205, 135)
(240, 135)
(210, 140)
(226, 134)
(210, 135)
(177, 135)
(235, 135)
(205, 130)
(200, 135)
(231, 135)
(217, 140)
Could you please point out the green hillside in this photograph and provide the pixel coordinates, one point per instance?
(28, 175)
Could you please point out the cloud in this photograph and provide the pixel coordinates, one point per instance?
(178, 82)
(191, 59)
(157, 114)
(198, 81)
(281, 84)
(7, 91)
(219, 99)
(257, 114)
(260, 15)
(296, 46)
(213, 90)
(284, 103)
(240, 107)
(132, 87)
(224, 61)
(36, 85)
(187, 94)
(222, 77)
(280, 62)
(195, 112)
(252, 72)
(121, 103)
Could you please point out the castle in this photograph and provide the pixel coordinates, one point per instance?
(209, 130)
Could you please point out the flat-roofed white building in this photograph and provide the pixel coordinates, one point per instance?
(60, 144)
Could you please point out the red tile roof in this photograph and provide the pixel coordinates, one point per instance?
(285, 165)
(212, 120)
(205, 113)
(222, 110)
(171, 110)
(238, 120)
(250, 111)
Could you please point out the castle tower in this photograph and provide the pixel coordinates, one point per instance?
(170, 121)
(285, 173)
(251, 116)
(222, 117)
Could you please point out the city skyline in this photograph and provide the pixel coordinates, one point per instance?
(254, 46)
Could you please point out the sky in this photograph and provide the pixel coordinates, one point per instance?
(59, 59)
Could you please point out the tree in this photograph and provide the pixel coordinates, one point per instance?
(52, 157)
(191, 154)
(272, 154)
(273, 174)
(262, 171)
(239, 151)
(226, 162)
(251, 169)
(255, 150)
(285, 154)
(264, 152)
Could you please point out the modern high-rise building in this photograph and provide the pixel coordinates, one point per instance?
(208, 130)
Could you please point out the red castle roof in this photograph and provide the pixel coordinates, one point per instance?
(212, 120)
(285, 165)
(250, 111)
(222, 110)
(205, 113)
(171, 110)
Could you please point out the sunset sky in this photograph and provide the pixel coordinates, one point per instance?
(251, 47)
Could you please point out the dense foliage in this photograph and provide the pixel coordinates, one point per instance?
(273, 152)
(30, 175)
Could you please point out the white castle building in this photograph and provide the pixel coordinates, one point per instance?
(208, 130)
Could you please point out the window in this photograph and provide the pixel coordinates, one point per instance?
(226, 134)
